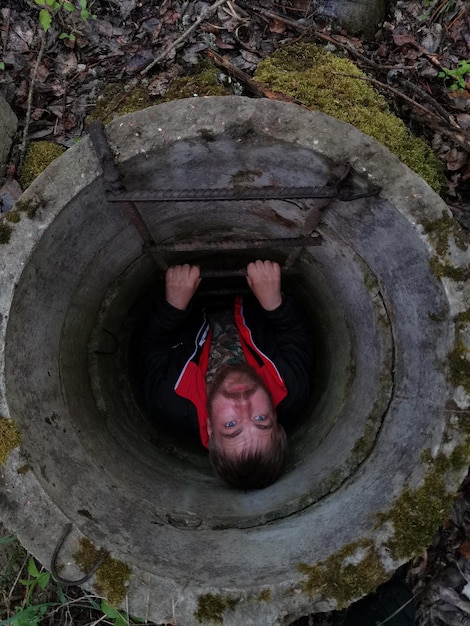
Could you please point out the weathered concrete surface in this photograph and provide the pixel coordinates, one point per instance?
(385, 325)
(8, 125)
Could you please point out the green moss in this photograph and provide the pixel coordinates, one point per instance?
(463, 317)
(442, 269)
(5, 232)
(115, 101)
(264, 595)
(417, 513)
(29, 206)
(364, 445)
(459, 365)
(210, 608)
(441, 230)
(38, 156)
(202, 82)
(316, 78)
(351, 573)
(440, 316)
(13, 216)
(112, 575)
(10, 438)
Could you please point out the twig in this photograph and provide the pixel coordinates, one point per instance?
(6, 30)
(30, 99)
(184, 36)
(463, 140)
(417, 89)
(256, 88)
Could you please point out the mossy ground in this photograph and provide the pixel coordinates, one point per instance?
(116, 100)
(39, 155)
(203, 81)
(111, 577)
(10, 438)
(331, 84)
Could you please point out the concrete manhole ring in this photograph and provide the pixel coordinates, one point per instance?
(387, 293)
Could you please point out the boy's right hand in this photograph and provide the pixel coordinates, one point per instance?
(181, 283)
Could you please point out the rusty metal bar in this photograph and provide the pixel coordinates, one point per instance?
(311, 222)
(234, 272)
(232, 194)
(113, 179)
(247, 244)
(238, 194)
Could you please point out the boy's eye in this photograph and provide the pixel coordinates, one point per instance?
(229, 424)
(260, 418)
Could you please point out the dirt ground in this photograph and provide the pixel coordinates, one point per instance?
(140, 49)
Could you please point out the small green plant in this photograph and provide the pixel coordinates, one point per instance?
(42, 600)
(29, 613)
(120, 618)
(36, 578)
(463, 67)
(2, 65)
(49, 8)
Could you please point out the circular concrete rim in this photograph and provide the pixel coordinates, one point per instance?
(408, 195)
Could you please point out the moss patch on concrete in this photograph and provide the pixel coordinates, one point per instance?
(334, 85)
(30, 206)
(441, 230)
(38, 156)
(10, 438)
(13, 216)
(444, 269)
(459, 366)
(5, 232)
(417, 513)
(111, 577)
(351, 573)
(211, 607)
(265, 595)
(458, 359)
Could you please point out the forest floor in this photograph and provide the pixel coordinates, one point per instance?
(419, 59)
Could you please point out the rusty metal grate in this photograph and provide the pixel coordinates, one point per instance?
(337, 189)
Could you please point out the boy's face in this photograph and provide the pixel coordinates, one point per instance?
(241, 412)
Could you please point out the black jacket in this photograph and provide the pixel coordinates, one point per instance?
(175, 353)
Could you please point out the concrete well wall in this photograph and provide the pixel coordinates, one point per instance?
(383, 403)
